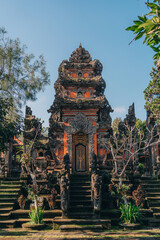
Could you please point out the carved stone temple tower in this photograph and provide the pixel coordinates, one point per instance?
(80, 114)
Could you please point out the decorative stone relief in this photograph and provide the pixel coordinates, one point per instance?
(81, 123)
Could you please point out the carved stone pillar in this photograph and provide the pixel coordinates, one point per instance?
(64, 186)
(96, 183)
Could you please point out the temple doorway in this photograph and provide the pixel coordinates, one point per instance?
(80, 153)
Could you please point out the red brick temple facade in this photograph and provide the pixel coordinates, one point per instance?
(80, 114)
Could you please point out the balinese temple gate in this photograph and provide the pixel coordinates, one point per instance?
(80, 114)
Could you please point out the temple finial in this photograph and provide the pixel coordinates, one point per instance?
(80, 45)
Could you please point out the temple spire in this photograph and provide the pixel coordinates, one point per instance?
(80, 55)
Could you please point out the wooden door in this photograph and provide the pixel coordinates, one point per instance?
(80, 153)
(80, 158)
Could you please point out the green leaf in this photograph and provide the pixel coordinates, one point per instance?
(132, 28)
(137, 22)
(139, 35)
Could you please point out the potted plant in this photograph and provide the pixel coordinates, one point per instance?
(130, 216)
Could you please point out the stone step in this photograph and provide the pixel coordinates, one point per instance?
(4, 216)
(81, 215)
(153, 194)
(84, 202)
(156, 215)
(80, 177)
(77, 184)
(150, 190)
(10, 182)
(81, 208)
(147, 178)
(77, 180)
(80, 193)
(11, 179)
(8, 195)
(154, 222)
(6, 204)
(154, 204)
(62, 221)
(8, 200)
(5, 210)
(79, 188)
(4, 186)
(7, 224)
(10, 190)
(20, 213)
(146, 213)
(150, 186)
(155, 209)
(153, 181)
(75, 197)
(153, 199)
(71, 228)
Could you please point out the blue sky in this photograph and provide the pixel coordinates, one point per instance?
(55, 28)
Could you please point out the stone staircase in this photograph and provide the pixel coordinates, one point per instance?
(9, 192)
(21, 216)
(152, 188)
(81, 215)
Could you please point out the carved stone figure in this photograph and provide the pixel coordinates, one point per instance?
(21, 201)
(64, 195)
(96, 192)
(66, 162)
(139, 196)
(94, 163)
(52, 198)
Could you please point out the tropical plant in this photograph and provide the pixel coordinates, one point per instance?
(149, 26)
(130, 213)
(36, 217)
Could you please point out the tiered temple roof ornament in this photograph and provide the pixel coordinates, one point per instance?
(80, 55)
(79, 100)
(84, 75)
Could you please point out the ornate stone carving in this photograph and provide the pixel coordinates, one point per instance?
(52, 198)
(80, 123)
(66, 163)
(139, 196)
(64, 195)
(94, 163)
(96, 192)
(64, 186)
(79, 87)
(80, 55)
(96, 182)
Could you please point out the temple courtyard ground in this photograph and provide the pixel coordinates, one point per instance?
(144, 234)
